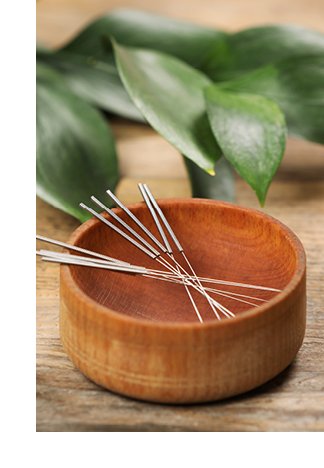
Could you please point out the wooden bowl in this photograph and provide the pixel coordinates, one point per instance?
(140, 337)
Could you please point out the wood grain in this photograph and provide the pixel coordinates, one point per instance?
(294, 401)
(154, 347)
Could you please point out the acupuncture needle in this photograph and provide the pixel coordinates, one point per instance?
(51, 253)
(161, 259)
(106, 266)
(150, 253)
(136, 220)
(78, 260)
(211, 301)
(168, 247)
(155, 274)
(145, 250)
(143, 228)
(119, 231)
(78, 249)
(134, 233)
(164, 262)
(56, 257)
(105, 257)
(125, 225)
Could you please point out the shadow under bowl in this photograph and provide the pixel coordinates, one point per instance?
(140, 337)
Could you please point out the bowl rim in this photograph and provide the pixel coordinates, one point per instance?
(80, 296)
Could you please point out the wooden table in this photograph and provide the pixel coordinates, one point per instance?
(294, 401)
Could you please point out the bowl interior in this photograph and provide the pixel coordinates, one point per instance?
(221, 241)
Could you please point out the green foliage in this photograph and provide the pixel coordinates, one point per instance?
(95, 81)
(251, 131)
(205, 186)
(75, 149)
(207, 92)
(297, 86)
(191, 43)
(169, 94)
(252, 48)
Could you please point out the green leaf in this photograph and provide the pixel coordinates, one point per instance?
(76, 155)
(189, 42)
(297, 85)
(95, 81)
(218, 187)
(253, 48)
(251, 132)
(169, 94)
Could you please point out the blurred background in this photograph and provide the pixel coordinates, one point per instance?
(59, 20)
(144, 155)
